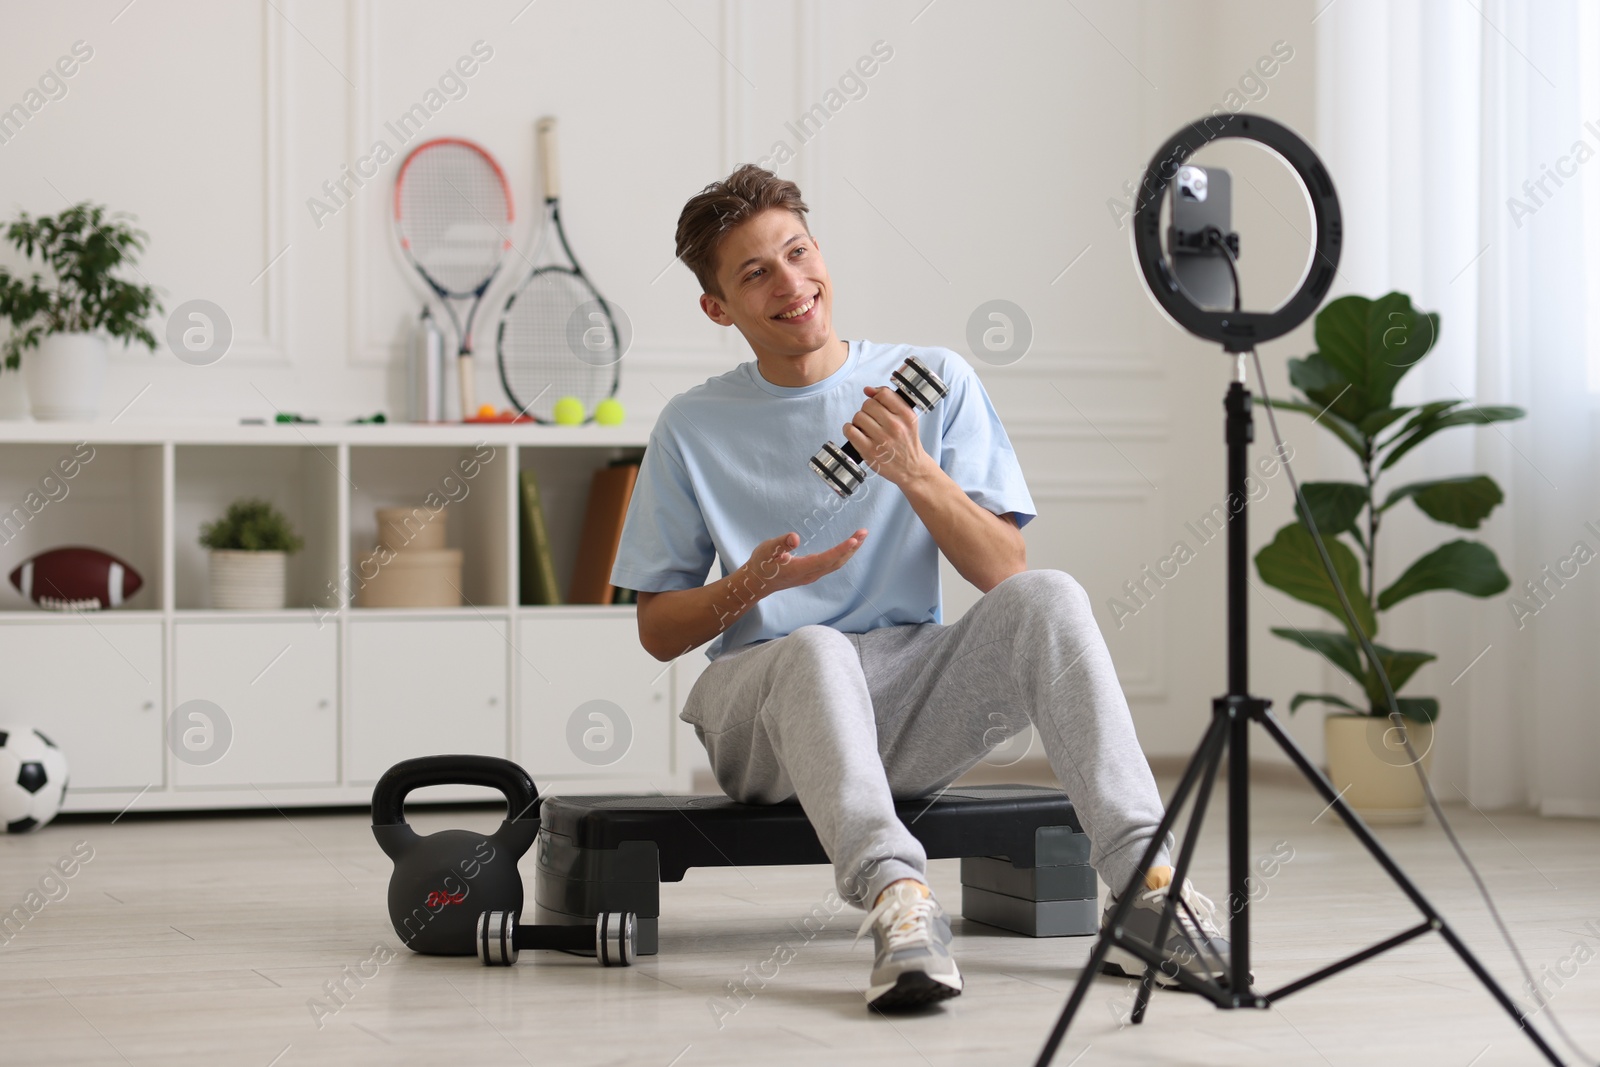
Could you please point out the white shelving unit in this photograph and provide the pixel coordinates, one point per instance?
(318, 699)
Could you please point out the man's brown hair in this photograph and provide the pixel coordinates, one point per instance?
(713, 213)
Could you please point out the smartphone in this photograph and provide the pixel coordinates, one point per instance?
(1201, 197)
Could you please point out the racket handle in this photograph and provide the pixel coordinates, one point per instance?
(469, 398)
(547, 157)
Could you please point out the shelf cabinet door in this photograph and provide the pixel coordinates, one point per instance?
(277, 685)
(591, 702)
(94, 688)
(424, 687)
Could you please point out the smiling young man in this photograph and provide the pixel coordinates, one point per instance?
(833, 679)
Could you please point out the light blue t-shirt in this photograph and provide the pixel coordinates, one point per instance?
(727, 468)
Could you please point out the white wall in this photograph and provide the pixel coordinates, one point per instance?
(978, 164)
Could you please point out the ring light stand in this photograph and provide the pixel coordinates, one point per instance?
(1228, 736)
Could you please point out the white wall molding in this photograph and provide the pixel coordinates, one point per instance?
(271, 345)
(364, 344)
(361, 54)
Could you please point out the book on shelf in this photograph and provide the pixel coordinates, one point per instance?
(609, 493)
(536, 573)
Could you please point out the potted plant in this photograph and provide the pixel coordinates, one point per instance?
(250, 547)
(1364, 348)
(67, 318)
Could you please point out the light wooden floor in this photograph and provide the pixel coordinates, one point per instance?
(203, 941)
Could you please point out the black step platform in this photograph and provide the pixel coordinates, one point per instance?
(1025, 859)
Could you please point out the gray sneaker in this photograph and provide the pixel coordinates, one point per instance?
(1194, 943)
(913, 965)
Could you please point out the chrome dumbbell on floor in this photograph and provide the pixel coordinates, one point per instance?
(612, 938)
(841, 467)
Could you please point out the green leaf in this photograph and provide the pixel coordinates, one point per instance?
(1470, 416)
(1380, 420)
(1341, 429)
(1372, 344)
(1318, 379)
(1468, 567)
(1465, 501)
(1424, 413)
(1321, 698)
(1341, 334)
(1334, 505)
(1291, 563)
(1399, 665)
(1339, 649)
(1420, 709)
(1344, 653)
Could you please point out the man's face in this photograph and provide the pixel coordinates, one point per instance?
(775, 286)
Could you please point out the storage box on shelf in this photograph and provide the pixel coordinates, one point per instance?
(470, 484)
(315, 701)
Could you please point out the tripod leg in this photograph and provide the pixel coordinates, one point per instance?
(1213, 760)
(1359, 828)
(1208, 744)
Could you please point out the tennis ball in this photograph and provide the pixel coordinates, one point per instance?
(608, 412)
(569, 411)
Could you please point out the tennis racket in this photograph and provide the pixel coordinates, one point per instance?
(558, 336)
(452, 212)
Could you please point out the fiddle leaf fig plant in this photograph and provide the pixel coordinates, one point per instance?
(1364, 348)
(83, 247)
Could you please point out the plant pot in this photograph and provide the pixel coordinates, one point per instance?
(1369, 765)
(65, 376)
(250, 581)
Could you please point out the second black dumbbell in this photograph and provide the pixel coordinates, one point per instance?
(613, 938)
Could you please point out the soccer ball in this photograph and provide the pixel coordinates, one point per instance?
(33, 778)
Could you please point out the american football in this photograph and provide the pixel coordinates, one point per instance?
(76, 578)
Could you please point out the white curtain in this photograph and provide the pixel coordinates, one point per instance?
(1464, 138)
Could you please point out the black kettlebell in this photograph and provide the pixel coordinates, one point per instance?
(443, 882)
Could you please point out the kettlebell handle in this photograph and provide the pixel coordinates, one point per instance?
(389, 795)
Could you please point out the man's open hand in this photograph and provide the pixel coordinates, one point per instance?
(774, 566)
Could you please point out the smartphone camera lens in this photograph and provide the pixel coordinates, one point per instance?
(1192, 184)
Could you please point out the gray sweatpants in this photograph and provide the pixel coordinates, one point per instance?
(849, 723)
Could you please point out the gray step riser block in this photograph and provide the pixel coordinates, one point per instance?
(1075, 882)
(577, 896)
(1059, 846)
(1043, 918)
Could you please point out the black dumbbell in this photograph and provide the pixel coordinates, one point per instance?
(612, 939)
(841, 467)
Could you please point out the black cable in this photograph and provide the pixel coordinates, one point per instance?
(1213, 237)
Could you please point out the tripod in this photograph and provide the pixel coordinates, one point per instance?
(1229, 735)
